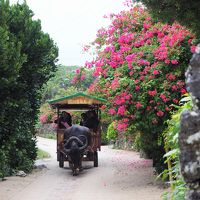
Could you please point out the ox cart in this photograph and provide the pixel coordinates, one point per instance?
(79, 102)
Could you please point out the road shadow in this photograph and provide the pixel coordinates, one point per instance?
(87, 167)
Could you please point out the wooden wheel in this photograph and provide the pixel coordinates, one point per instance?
(61, 160)
(95, 159)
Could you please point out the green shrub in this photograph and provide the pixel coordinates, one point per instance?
(137, 142)
(42, 154)
(48, 136)
(172, 153)
(140, 65)
(112, 132)
(104, 139)
(27, 60)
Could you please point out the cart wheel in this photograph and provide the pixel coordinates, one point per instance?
(70, 165)
(90, 156)
(61, 160)
(95, 159)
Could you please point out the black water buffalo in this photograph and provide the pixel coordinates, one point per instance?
(76, 140)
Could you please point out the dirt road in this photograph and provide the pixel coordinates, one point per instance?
(121, 175)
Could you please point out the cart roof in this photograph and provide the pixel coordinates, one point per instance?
(77, 101)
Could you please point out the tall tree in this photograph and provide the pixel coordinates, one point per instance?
(28, 57)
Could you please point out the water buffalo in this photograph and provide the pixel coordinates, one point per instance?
(76, 140)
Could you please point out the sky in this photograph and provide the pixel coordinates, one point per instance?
(73, 24)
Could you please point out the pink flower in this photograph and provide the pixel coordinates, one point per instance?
(121, 110)
(137, 87)
(121, 126)
(142, 78)
(143, 62)
(74, 80)
(161, 52)
(151, 102)
(125, 38)
(160, 113)
(53, 125)
(167, 61)
(115, 84)
(125, 120)
(129, 58)
(128, 96)
(167, 109)
(112, 111)
(146, 25)
(98, 71)
(82, 78)
(113, 64)
(192, 49)
(163, 97)
(183, 91)
(43, 119)
(190, 41)
(88, 64)
(155, 72)
(174, 88)
(180, 84)
(152, 92)
(170, 76)
(138, 105)
(148, 108)
(174, 62)
(103, 107)
(175, 101)
(78, 71)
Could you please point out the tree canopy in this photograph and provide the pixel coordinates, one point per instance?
(27, 61)
(185, 12)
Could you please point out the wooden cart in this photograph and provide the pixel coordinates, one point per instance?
(79, 102)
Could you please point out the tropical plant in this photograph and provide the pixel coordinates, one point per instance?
(140, 66)
(65, 82)
(177, 184)
(112, 132)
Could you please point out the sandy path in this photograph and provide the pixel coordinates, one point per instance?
(121, 175)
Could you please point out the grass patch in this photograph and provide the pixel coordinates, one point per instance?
(48, 136)
(42, 154)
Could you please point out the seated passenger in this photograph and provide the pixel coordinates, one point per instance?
(83, 119)
(92, 121)
(64, 121)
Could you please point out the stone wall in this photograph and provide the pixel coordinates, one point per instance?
(46, 129)
(189, 137)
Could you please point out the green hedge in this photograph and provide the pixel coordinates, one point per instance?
(27, 60)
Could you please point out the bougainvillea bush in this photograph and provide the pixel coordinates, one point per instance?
(140, 66)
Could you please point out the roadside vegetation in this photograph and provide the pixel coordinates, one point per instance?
(140, 67)
(27, 60)
(140, 62)
(48, 136)
(41, 154)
